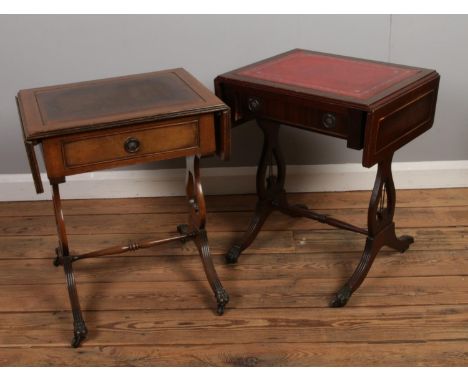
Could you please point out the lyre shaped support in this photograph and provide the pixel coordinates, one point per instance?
(272, 195)
(270, 188)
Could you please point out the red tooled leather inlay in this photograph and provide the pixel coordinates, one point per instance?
(339, 75)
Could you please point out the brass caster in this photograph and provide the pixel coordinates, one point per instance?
(222, 299)
(80, 333)
(341, 298)
(233, 254)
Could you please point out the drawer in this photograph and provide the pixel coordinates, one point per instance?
(288, 109)
(131, 144)
(122, 146)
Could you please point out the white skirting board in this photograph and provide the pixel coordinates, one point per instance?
(236, 180)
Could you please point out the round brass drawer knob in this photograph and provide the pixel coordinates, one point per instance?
(253, 104)
(329, 120)
(132, 145)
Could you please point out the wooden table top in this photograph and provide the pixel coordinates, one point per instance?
(357, 81)
(63, 109)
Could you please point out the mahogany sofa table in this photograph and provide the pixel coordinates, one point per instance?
(376, 107)
(97, 125)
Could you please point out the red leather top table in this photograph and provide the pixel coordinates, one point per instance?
(336, 75)
(376, 107)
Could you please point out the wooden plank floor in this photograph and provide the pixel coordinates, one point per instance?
(154, 307)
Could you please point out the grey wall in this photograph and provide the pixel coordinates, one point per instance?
(45, 50)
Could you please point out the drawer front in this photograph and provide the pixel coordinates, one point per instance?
(122, 146)
(324, 118)
(131, 144)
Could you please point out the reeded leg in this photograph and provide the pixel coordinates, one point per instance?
(270, 188)
(342, 296)
(381, 231)
(79, 328)
(222, 298)
(197, 221)
(63, 257)
(262, 211)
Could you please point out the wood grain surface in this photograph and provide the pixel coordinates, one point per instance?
(154, 307)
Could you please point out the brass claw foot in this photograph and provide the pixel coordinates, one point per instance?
(222, 299)
(80, 332)
(233, 254)
(341, 298)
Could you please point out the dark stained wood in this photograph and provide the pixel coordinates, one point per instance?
(101, 148)
(155, 310)
(398, 122)
(83, 126)
(395, 114)
(196, 231)
(31, 153)
(104, 98)
(272, 196)
(90, 151)
(129, 247)
(62, 109)
(96, 125)
(375, 106)
(363, 103)
(357, 66)
(223, 134)
(381, 231)
(63, 257)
